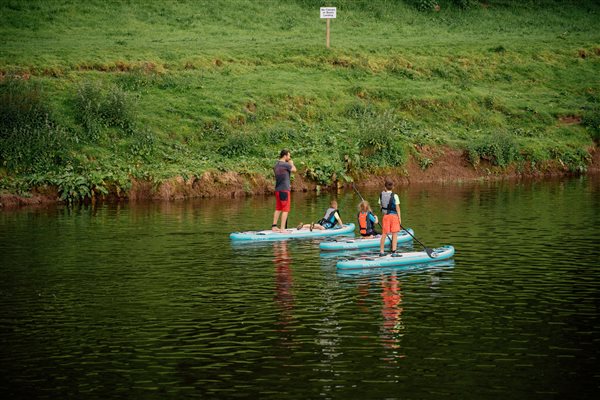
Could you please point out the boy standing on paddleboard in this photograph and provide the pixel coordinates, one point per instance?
(283, 170)
(390, 207)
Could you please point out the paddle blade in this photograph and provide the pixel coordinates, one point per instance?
(430, 252)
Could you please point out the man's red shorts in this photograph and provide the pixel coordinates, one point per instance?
(283, 200)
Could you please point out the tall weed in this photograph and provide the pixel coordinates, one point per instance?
(88, 110)
(239, 144)
(574, 159)
(326, 170)
(464, 4)
(22, 104)
(143, 144)
(117, 110)
(591, 120)
(380, 140)
(97, 108)
(30, 139)
(500, 150)
(423, 5)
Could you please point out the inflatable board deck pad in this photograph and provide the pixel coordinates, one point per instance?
(360, 243)
(392, 260)
(267, 235)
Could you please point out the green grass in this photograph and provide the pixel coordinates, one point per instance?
(224, 85)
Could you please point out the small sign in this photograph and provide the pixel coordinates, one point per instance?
(328, 12)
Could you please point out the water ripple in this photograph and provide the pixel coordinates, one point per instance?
(153, 301)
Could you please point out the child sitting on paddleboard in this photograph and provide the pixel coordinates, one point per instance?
(366, 220)
(330, 220)
(390, 207)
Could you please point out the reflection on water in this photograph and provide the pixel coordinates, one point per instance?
(391, 295)
(152, 300)
(283, 285)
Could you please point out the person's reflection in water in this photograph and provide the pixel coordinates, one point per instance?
(392, 328)
(364, 286)
(284, 296)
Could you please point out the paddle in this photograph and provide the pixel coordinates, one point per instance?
(427, 249)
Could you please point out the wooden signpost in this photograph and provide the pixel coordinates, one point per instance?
(328, 13)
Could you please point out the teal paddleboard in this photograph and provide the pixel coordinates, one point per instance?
(376, 272)
(290, 234)
(360, 243)
(417, 257)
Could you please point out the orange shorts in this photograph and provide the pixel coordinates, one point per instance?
(390, 224)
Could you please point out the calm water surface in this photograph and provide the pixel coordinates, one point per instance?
(153, 301)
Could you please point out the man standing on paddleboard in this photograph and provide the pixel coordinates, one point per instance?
(283, 170)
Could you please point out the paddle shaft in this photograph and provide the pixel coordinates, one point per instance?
(427, 249)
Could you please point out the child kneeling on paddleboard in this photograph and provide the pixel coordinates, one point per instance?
(330, 220)
(390, 207)
(367, 220)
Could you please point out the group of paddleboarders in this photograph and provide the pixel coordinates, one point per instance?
(388, 201)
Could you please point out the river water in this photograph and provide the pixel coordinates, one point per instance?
(153, 301)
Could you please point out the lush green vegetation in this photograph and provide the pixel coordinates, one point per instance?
(94, 94)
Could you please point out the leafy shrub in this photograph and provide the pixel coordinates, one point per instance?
(135, 80)
(282, 136)
(359, 109)
(88, 107)
(33, 148)
(238, 144)
(575, 160)
(499, 150)
(350, 155)
(326, 170)
(423, 5)
(30, 139)
(591, 120)
(143, 144)
(117, 110)
(535, 156)
(22, 104)
(380, 140)
(214, 129)
(79, 185)
(464, 4)
(97, 109)
(425, 162)
(72, 187)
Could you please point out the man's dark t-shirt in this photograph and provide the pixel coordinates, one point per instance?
(282, 175)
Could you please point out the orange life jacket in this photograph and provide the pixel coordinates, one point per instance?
(364, 223)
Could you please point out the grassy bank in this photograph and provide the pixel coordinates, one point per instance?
(94, 95)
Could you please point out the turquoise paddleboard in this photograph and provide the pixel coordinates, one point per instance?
(376, 272)
(417, 257)
(360, 243)
(267, 235)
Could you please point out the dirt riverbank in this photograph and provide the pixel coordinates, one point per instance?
(446, 165)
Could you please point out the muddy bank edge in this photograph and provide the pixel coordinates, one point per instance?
(449, 165)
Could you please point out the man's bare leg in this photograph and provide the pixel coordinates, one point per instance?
(284, 216)
(275, 219)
